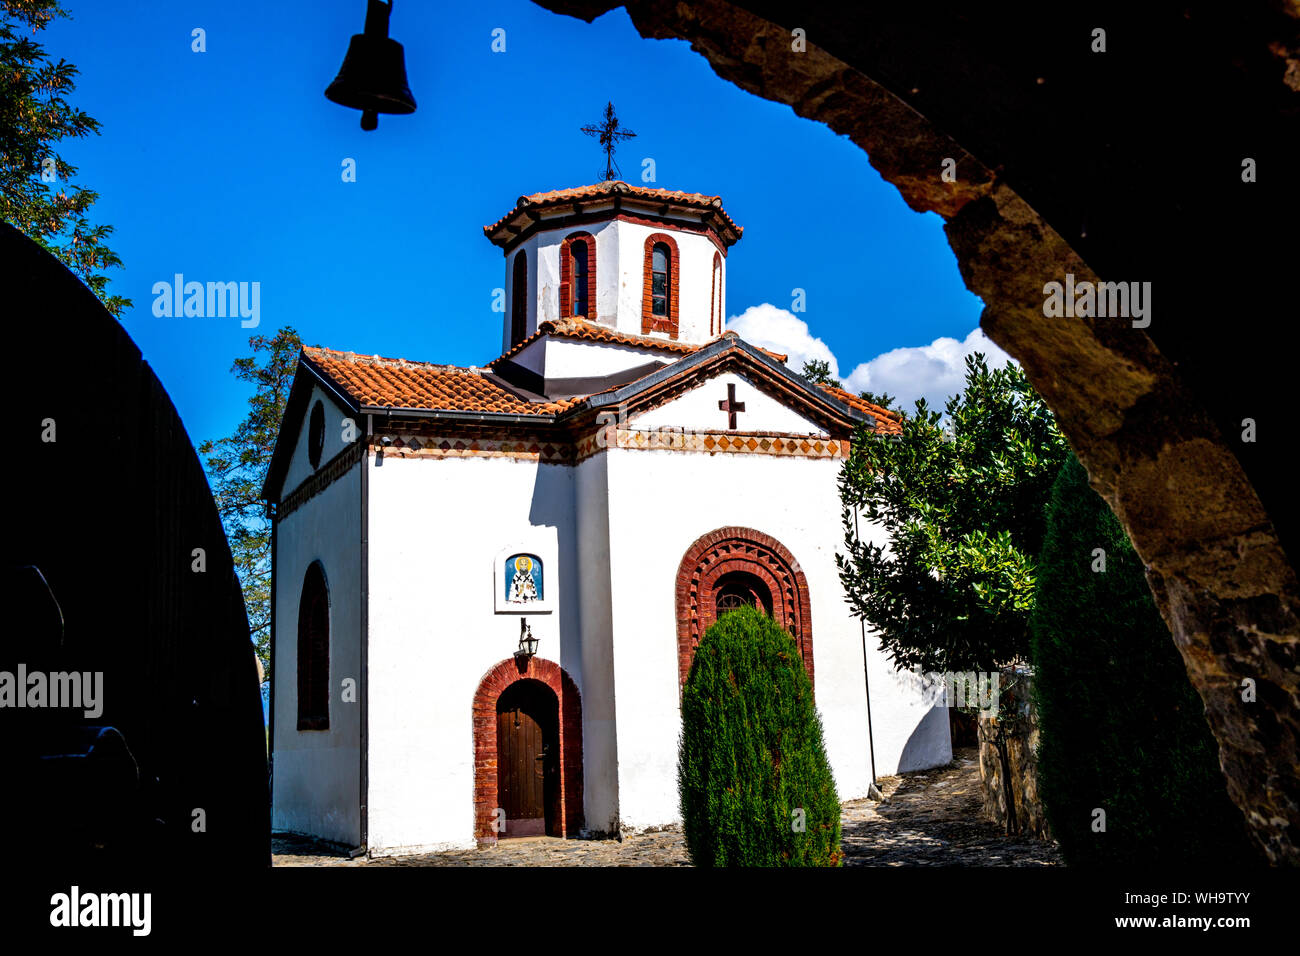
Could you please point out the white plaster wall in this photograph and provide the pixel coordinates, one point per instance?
(317, 773)
(548, 244)
(795, 501)
(698, 410)
(554, 357)
(620, 263)
(436, 526)
(300, 464)
(695, 265)
(535, 293)
(599, 730)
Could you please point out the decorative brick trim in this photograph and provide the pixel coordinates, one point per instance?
(524, 448)
(484, 715)
(318, 481)
(739, 549)
(772, 444)
(649, 321)
(736, 443)
(566, 276)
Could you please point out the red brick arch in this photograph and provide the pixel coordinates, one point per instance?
(485, 742)
(740, 549)
(566, 275)
(649, 321)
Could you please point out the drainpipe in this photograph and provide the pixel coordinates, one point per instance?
(363, 809)
(873, 791)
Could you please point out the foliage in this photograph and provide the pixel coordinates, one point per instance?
(751, 753)
(884, 400)
(1121, 727)
(961, 504)
(34, 115)
(237, 466)
(819, 372)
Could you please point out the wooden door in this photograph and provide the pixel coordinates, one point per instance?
(527, 758)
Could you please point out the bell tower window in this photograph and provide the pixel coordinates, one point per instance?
(579, 250)
(659, 290)
(578, 277)
(659, 280)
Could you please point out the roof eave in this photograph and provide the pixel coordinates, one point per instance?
(714, 349)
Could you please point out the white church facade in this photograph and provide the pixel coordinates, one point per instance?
(625, 471)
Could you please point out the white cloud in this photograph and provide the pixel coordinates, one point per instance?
(934, 371)
(782, 331)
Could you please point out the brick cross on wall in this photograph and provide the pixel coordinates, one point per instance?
(731, 406)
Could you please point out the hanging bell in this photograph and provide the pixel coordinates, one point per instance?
(373, 75)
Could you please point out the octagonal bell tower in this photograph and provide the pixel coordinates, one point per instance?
(638, 261)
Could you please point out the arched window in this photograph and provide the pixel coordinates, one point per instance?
(579, 252)
(659, 289)
(660, 259)
(578, 276)
(314, 651)
(519, 298)
(316, 434)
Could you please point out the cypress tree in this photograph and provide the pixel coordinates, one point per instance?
(755, 785)
(1122, 729)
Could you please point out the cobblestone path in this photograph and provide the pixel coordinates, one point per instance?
(928, 818)
(933, 818)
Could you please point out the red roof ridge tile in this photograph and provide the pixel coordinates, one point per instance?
(886, 417)
(620, 187)
(356, 358)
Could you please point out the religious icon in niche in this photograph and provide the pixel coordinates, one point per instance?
(523, 579)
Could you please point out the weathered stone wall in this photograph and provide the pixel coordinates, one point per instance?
(1022, 755)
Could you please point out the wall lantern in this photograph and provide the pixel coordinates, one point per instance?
(527, 643)
(373, 75)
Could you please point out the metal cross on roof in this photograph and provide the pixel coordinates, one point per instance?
(610, 133)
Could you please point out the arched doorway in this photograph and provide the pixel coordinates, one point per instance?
(544, 700)
(528, 765)
(732, 567)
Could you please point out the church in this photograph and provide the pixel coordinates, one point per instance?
(489, 582)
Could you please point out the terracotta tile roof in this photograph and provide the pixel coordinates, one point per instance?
(555, 197)
(373, 380)
(887, 422)
(591, 332)
(399, 383)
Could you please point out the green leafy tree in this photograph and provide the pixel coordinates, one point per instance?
(819, 372)
(1121, 727)
(237, 465)
(961, 504)
(37, 195)
(883, 399)
(755, 785)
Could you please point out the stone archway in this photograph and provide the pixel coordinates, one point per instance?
(733, 560)
(500, 677)
(1147, 411)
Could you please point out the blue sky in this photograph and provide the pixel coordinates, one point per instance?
(226, 166)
